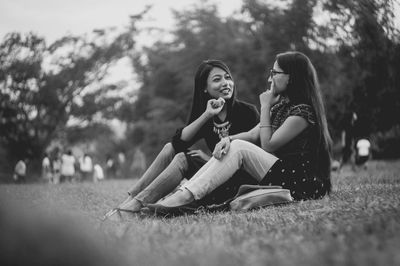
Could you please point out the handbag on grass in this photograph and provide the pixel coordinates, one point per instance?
(253, 196)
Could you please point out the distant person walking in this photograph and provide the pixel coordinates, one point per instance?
(348, 135)
(86, 166)
(20, 171)
(56, 169)
(98, 173)
(67, 166)
(46, 169)
(110, 167)
(363, 147)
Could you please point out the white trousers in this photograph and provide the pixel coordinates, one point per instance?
(241, 155)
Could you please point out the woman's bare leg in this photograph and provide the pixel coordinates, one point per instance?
(161, 186)
(162, 160)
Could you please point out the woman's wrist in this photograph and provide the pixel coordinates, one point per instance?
(265, 107)
(265, 125)
(207, 115)
(227, 138)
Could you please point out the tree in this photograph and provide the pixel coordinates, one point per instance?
(372, 48)
(36, 103)
(20, 97)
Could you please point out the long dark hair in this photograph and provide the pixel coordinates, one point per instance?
(200, 98)
(303, 87)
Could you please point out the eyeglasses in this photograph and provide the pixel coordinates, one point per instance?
(273, 72)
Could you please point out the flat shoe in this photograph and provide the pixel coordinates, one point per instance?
(161, 210)
(118, 212)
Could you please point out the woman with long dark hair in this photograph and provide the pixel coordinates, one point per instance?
(294, 137)
(215, 114)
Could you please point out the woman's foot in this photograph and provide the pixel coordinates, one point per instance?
(179, 203)
(126, 210)
(133, 205)
(179, 198)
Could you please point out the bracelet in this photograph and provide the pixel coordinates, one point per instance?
(261, 126)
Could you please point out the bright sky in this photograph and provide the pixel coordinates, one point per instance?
(54, 19)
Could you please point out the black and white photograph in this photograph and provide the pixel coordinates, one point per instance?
(208, 133)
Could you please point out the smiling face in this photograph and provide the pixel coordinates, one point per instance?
(278, 81)
(220, 84)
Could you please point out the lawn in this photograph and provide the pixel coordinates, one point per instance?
(358, 224)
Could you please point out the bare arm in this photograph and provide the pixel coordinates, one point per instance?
(190, 130)
(213, 108)
(292, 126)
(253, 135)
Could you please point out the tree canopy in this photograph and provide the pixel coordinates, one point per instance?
(37, 100)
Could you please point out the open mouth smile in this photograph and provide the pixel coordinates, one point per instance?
(225, 90)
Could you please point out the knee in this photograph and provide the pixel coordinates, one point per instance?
(237, 145)
(180, 159)
(168, 149)
(235, 150)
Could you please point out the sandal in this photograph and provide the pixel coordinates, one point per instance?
(117, 211)
(166, 212)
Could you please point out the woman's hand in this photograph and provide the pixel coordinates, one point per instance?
(200, 154)
(268, 98)
(215, 106)
(222, 148)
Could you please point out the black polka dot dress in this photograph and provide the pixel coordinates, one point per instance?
(298, 177)
(296, 168)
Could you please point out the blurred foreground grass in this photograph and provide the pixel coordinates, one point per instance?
(358, 224)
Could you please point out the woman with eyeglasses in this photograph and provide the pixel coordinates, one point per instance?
(215, 114)
(293, 132)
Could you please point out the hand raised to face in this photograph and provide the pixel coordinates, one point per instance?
(269, 98)
(214, 106)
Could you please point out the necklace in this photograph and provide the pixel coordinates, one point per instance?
(222, 129)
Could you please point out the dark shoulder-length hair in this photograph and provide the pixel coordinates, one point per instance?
(200, 98)
(303, 87)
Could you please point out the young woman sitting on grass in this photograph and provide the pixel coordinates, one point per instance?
(294, 137)
(215, 114)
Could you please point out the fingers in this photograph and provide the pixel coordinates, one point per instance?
(214, 103)
(193, 153)
(217, 103)
(222, 153)
(217, 148)
(226, 145)
(218, 154)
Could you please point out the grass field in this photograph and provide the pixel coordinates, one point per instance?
(358, 224)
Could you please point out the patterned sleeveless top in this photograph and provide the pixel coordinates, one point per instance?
(306, 140)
